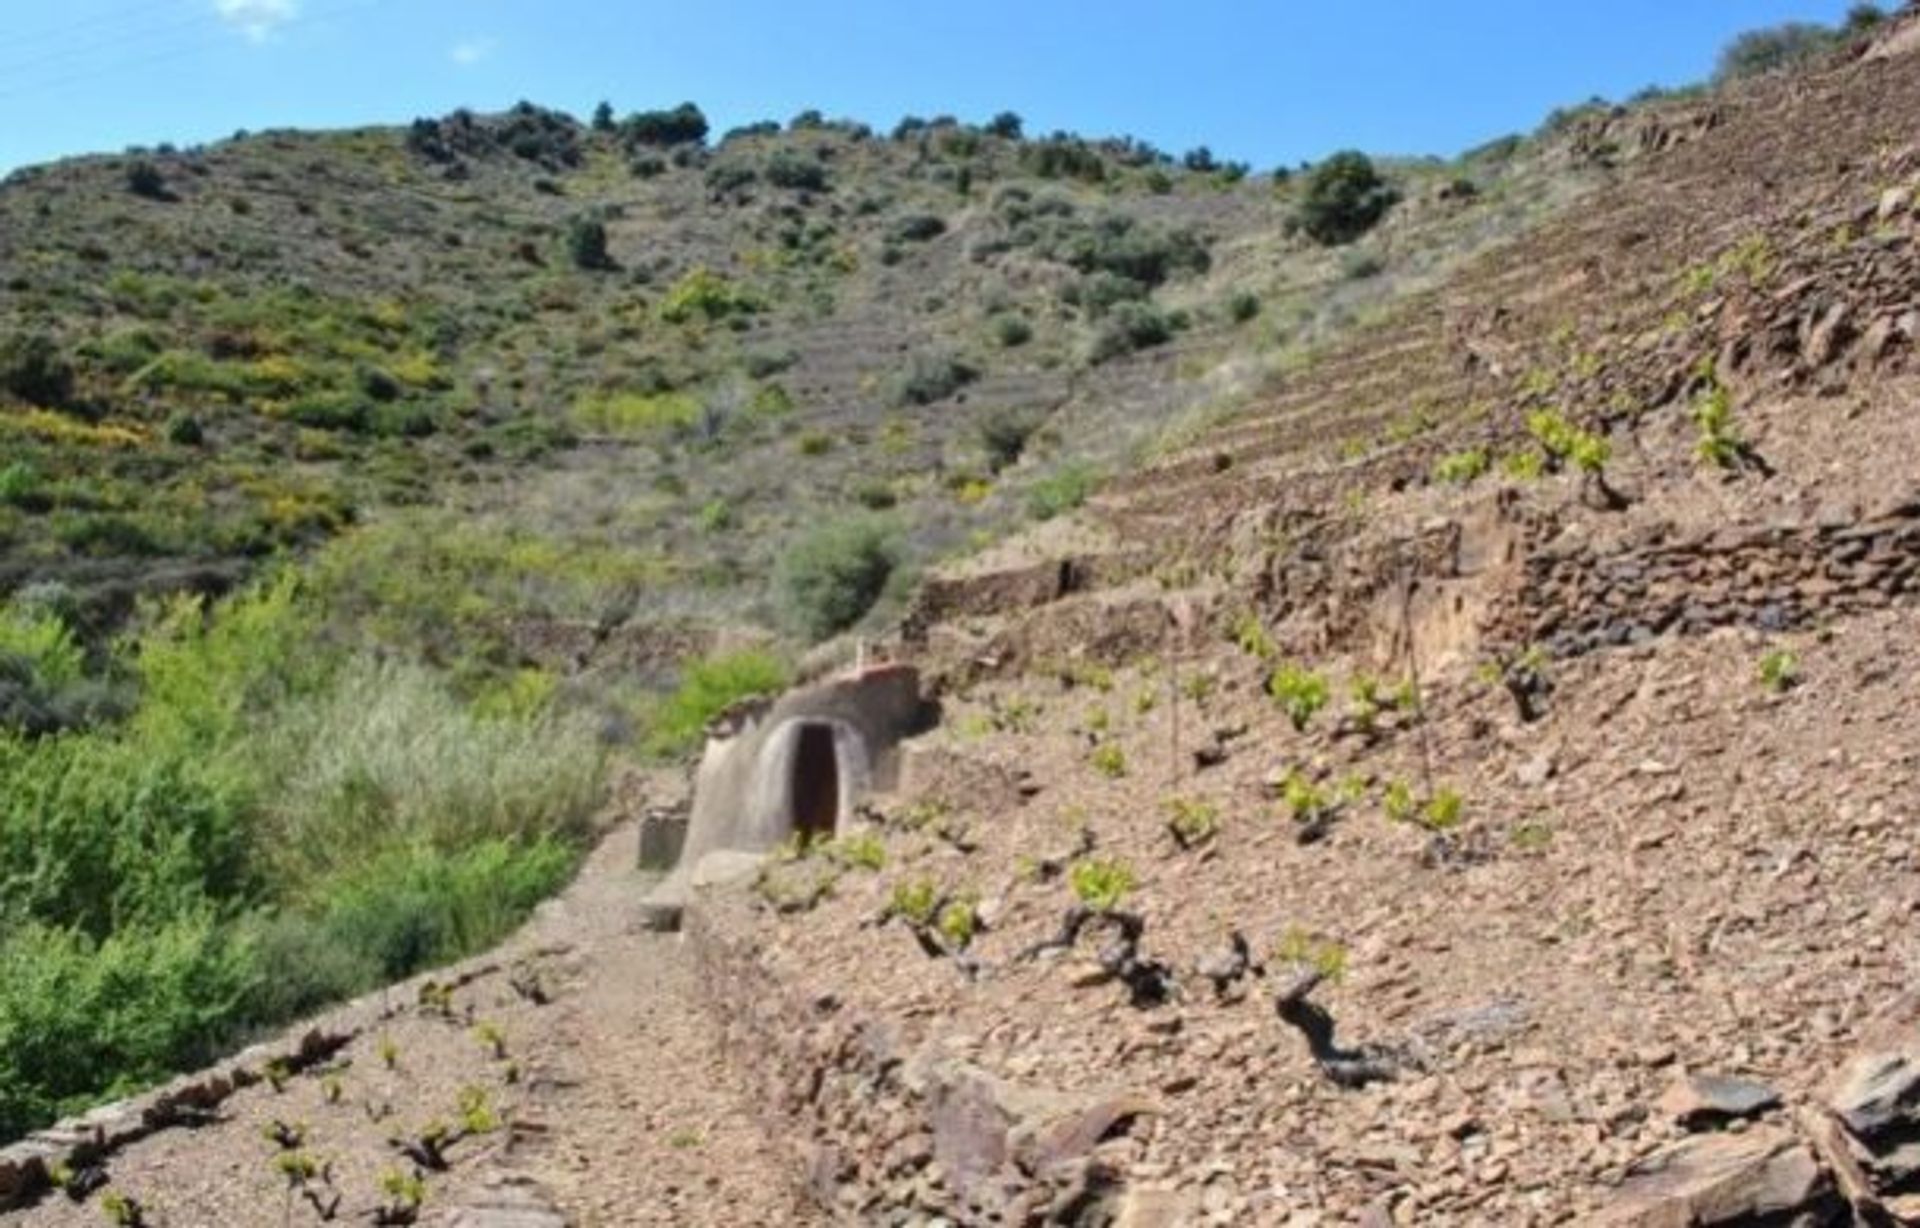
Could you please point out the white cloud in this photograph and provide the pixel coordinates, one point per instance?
(470, 51)
(257, 19)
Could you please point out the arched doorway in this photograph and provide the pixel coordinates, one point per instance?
(816, 783)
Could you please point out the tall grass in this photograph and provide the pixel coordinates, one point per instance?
(283, 820)
(388, 758)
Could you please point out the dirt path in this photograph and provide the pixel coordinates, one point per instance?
(613, 1103)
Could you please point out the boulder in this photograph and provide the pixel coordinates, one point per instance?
(1760, 1177)
(1876, 1098)
(1708, 1101)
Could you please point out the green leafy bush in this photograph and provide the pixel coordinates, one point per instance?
(1102, 883)
(933, 377)
(1461, 468)
(1061, 491)
(1779, 671)
(587, 244)
(790, 169)
(85, 1018)
(33, 369)
(833, 576)
(1344, 198)
(709, 686)
(413, 906)
(1299, 692)
(683, 125)
(1772, 48)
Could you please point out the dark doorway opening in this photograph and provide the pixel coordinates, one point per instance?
(816, 783)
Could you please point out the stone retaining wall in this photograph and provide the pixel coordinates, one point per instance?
(1576, 600)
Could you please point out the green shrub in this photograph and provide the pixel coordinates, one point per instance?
(1344, 198)
(587, 244)
(33, 369)
(683, 125)
(1131, 326)
(638, 415)
(1243, 306)
(917, 228)
(790, 169)
(705, 295)
(1461, 468)
(1102, 883)
(709, 686)
(1109, 760)
(1300, 693)
(833, 576)
(145, 179)
(85, 1019)
(1061, 491)
(1011, 330)
(1779, 671)
(932, 377)
(415, 906)
(1719, 443)
(1772, 48)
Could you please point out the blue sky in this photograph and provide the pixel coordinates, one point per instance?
(1268, 83)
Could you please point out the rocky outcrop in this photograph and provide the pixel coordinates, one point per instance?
(1575, 599)
(1763, 1177)
(889, 1130)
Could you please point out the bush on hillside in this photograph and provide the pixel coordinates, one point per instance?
(33, 369)
(932, 377)
(1344, 198)
(1063, 157)
(683, 125)
(917, 228)
(832, 577)
(603, 117)
(709, 686)
(1772, 48)
(1006, 125)
(587, 244)
(796, 171)
(145, 179)
(1130, 326)
(1004, 435)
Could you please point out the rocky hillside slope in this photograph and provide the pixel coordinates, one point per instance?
(671, 355)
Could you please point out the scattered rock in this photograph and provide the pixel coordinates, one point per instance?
(1877, 1099)
(1761, 1177)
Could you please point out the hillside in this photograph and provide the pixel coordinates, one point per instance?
(1493, 634)
(297, 332)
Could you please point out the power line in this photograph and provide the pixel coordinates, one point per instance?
(82, 26)
(177, 51)
(197, 23)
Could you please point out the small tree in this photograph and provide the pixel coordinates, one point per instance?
(1343, 199)
(833, 577)
(1771, 48)
(145, 179)
(33, 369)
(603, 117)
(683, 125)
(1864, 17)
(587, 243)
(1007, 125)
